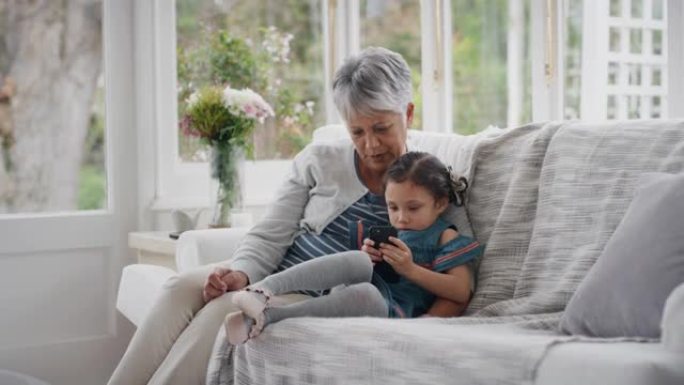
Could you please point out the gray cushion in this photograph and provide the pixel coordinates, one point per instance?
(624, 292)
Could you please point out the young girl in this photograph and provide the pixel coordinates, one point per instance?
(429, 255)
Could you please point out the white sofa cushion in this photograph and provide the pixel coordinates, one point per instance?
(619, 363)
(140, 283)
(139, 287)
(202, 247)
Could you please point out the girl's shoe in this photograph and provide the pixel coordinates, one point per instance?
(238, 327)
(253, 302)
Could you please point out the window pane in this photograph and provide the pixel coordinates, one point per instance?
(634, 107)
(635, 40)
(657, 42)
(615, 8)
(657, 12)
(612, 107)
(633, 85)
(634, 75)
(272, 47)
(613, 74)
(573, 59)
(655, 107)
(52, 136)
(396, 25)
(637, 9)
(655, 80)
(614, 35)
(491, 64)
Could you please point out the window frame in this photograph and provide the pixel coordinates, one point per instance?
(675, 64)
(172, 184)
(548, 25)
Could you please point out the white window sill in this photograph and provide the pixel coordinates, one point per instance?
(261, 182)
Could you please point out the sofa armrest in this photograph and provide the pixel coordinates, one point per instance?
(138, 290)
(201, 247)
(673, 319)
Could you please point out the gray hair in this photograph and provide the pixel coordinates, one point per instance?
(375, 80)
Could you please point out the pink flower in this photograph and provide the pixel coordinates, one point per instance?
(186, 127)
(250, 110)
(247, 102)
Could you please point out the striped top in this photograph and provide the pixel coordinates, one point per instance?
(344, 233)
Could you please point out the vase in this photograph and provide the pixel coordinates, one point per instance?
(226, 164)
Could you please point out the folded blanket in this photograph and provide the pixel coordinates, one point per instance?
(420, 351)
(545, 199)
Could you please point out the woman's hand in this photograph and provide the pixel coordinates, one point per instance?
(222, 280)
(398, 255)
(375, 254)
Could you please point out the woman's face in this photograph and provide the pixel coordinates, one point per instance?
(380, 138)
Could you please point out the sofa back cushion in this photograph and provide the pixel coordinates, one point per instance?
(625, 291)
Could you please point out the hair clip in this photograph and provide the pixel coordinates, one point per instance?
(458, 186)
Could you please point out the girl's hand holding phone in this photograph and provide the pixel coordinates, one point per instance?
(375, 254)
(398, 255)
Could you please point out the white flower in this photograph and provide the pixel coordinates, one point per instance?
(247, 102)
(310, 106)
(277, 45)
(192, 99)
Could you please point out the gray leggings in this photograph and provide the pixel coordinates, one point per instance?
(357, 298)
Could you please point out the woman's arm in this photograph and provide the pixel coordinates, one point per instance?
(262, 249)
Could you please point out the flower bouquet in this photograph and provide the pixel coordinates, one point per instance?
(224, 118)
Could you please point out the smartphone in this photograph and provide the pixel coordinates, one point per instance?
(381, 234)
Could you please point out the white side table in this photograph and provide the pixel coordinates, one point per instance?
(154, 248)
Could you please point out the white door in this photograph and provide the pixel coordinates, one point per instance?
(67, 186)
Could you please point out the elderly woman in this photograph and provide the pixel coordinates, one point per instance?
(333, 191)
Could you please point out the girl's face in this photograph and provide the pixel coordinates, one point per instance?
(412, 207)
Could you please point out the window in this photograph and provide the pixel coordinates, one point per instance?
(275, 48)
(621, 60)
(393, 25)
(497, 64)
(52, 136)
(491, 64)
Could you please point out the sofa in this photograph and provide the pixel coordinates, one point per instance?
(549, 201)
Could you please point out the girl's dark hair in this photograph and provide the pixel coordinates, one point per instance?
(427, 171)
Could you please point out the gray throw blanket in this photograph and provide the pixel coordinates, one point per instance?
(544, 198)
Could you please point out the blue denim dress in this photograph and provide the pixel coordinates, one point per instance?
(406, 299)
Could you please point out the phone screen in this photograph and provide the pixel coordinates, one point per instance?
(381, 234)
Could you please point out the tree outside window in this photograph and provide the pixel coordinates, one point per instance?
(52, 133)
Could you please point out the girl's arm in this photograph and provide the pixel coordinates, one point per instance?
(454, 285)
(445, 308)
